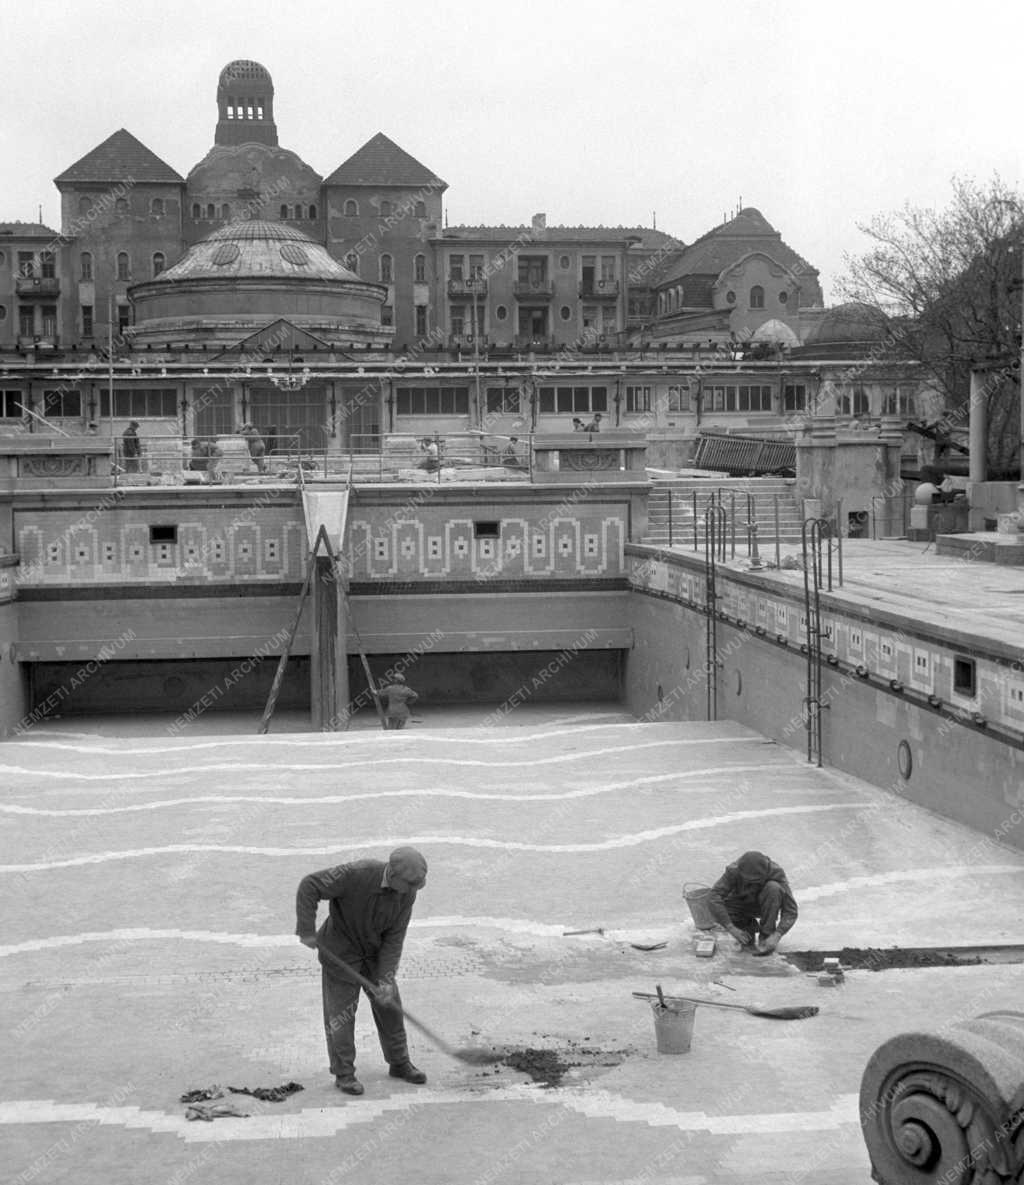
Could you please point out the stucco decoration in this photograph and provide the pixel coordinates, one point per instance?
(589, 459)
(948, 1107)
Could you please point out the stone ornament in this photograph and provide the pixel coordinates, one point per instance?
(947, 1108)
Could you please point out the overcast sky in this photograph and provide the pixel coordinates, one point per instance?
(820, 115)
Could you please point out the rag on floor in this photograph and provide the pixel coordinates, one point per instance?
(211, 1111)
(197, 1099)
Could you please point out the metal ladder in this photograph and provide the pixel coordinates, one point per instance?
(816, 535)
(715, 524)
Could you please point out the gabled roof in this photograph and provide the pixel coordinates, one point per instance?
(381, 162)
(26, 230)
(713, 252)
(119, 158)
(277, 336)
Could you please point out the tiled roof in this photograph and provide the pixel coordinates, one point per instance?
(713, 252)
(119, 158)
(381, 162)
(27, 230)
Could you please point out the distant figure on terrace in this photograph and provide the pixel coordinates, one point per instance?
(595, 423)
(510, 457)
(395, 700)
(578, 425)
(257, 449)
(432, 461)
(204, 457)
(753, 901)
(131, 447)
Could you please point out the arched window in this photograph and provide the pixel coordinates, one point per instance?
(312, 212)
(351, 208)
(861, 403)
(197, 212)
(352, 262)
(421, 210)
(284, 213)
(84, 204)
(296, 213)
(225, 211)
(124, 267)
(156, 207)
(121, 206)
(211, 211)
(86, 265)
(386, 269)
(385, 208)
(757, 297)
(419, 274)
(158, 263)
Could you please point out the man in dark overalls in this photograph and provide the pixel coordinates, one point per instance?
(753, 901)
(370, 904)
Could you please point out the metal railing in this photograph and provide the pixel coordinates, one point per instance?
(744, 454)
(436, 457)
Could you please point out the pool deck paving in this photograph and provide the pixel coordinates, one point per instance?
(147, 886)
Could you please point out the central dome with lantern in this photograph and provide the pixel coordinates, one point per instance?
(245, 275)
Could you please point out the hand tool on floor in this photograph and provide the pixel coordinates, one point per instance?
(572, 933)
(473, 1057)
(800, 1012)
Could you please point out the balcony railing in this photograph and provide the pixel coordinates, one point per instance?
(467, 341)
(598, 289)
(472, 286)
(532, 289)
(37, 286)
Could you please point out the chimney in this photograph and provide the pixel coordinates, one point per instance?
(540, 221)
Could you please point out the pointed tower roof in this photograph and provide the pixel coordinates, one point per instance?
(381, 162)
(121, 157)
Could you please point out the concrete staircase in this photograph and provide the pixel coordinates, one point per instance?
(733, 493)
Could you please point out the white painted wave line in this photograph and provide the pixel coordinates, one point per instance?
(387, 842)
(324, 1122)
(905, 876)
(140, 934)
(433, 792)
(419, 759)
(344, 740)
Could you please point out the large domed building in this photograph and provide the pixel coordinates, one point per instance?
(247, 274)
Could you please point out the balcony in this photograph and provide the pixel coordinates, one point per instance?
(600, 290)
(474, 286)
(467, 341)
(532, 289)
(43, 286)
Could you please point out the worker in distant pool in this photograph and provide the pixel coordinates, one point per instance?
(395, 700)
(753, 901)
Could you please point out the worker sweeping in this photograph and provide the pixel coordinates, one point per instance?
(753, 901)
(370, 906)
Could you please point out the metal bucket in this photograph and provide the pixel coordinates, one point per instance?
(673, 1025)
(696, 897)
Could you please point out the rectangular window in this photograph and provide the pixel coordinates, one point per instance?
(487, 530)
(49, 315)
(679, 398)
(718, 399)
(26, 321)
(143, 402)
(87, 320)
(794, 397)
(455, 263)
(387, 315)
(638, 399)
(607, 267)
(964, 676)
(49, 265)
(503, 401)
(572, 400)
(124, 317)
(476, 267)
(163, 534)
(432, 401)
(421, 320)
(10, 405)
(62, 404)
(899, 402)
(26, 263)
(457, 320)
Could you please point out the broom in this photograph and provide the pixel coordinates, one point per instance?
(798, 1012)
(473, 1057)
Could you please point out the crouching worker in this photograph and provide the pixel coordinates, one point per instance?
(370, 903)
(753, 901)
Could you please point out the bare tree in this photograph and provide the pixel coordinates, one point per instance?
(949, 281)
